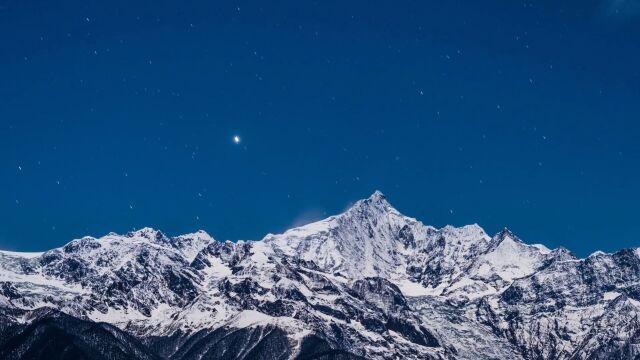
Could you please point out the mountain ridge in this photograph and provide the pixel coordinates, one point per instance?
(369, 283)
(377, 195)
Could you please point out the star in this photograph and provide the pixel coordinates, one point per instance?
(236, 139)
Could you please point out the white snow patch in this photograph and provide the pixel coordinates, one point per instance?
(634, 302)
(218, 269)
(510, 260)
(543, 249)
(410, 288)
(26, 255)
(598, 253)
(250, 318)
(610, 295)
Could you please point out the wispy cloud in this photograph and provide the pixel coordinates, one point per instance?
(308, 216)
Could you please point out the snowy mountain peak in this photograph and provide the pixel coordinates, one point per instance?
(377, 196)
(472, 232)
(375, 203)
(368, 239)
(146, 233)
(506, 234)
(506, 238)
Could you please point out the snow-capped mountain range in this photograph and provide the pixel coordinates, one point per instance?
(369, 283)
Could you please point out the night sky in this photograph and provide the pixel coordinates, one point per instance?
(116, 115)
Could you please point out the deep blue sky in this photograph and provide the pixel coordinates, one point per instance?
(120, 114)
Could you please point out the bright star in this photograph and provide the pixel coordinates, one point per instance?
(236, 139)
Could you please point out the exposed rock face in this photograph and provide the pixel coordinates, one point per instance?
(369, 283)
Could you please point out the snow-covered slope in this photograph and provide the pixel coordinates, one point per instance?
(370, 283)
